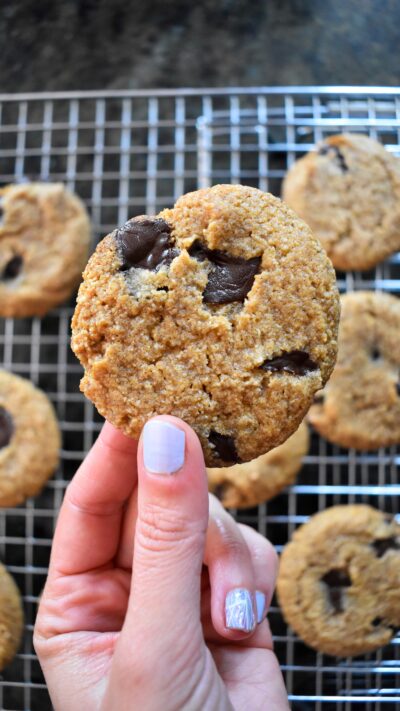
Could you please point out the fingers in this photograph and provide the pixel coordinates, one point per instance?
(230, 568)
(88, 527)
(253, 680)
(172, 516)
(237, 558)
(265, 562)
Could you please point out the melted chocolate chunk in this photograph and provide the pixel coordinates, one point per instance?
(6, 427)
(12, 268)
(398, 388)
(319, 399)
(382, 545)
(377, 621)
(219, 491)
(336, 579)
(327, 148)
(295, 362)
(375, 354)
(230, 278)
(146, 244)
(224, 447)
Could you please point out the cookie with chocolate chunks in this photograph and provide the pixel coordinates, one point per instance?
(339, 579)
(222, 310)
(44, 246)
(29, 439)
(11, 617)
(360, 405)
(348, 191)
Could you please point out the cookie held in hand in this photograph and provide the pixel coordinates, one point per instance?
(222, 311)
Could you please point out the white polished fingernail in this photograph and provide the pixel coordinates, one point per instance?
(260, 606)
(239, 611)
(163, 447)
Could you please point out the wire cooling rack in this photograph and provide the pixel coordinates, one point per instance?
(132, 152)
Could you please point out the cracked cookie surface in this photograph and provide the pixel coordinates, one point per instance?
(252, 483)
(360, 405)
(339, 579)
(348, 191)
(222, 311)
(44, 246)
(29, 439)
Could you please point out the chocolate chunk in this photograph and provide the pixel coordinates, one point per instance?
(336, 579)
(327, 148)
(230, 278)
(319, 399)
(375, 354)
(398, 388)
(146, 244)
(295, 362)
(377, 621)
(6, 427)
(12, 268)
(224, 447)
(220, 490)
(382, 545)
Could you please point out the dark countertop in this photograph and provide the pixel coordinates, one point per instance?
(95, 44)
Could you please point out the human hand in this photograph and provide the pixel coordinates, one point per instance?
(133, 614)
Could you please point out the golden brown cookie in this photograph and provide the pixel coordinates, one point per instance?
(348, 191)
(339, 580)
(29, 439)
(222, 311)
(360, 405)
(11, 617)
(44, 246)
(252, 483)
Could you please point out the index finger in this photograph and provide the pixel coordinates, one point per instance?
(88, 527)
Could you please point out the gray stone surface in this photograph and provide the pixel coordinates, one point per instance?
(82, 44)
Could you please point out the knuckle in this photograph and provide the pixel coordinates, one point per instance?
(159, 529)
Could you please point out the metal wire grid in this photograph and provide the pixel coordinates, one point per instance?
(133, 152)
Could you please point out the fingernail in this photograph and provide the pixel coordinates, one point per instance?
(260, 606)
(239, 612)
(163, 447)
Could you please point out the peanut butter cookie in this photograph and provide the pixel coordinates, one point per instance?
(360, 405)
(222, 311)
(44, 246)
(339, 579)
(11, 617)
(29, 439)
(348, 191)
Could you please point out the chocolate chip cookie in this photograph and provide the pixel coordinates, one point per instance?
(348, 191)
(339, 580)
(29, 439)
(44, 246)
(360, 405)
(250, 484)
(222, 310)
(11, 617)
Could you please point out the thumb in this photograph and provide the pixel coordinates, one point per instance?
(164, 604)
